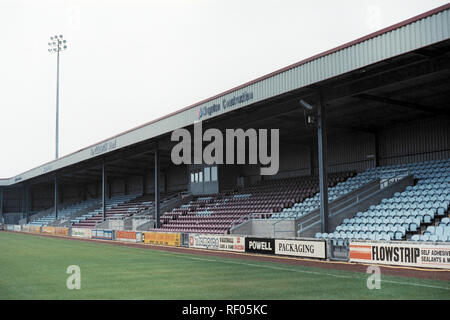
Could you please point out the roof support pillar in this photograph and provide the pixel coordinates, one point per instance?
(104, 182)
(377, 148)
(156, 188)
(323, 162)
(1, 204)
(25, 200)
(56, 197)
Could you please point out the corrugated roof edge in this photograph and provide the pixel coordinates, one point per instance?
(346, 45)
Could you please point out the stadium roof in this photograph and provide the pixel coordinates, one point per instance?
(418, 32)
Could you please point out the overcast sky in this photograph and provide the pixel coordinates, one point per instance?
(131, 61)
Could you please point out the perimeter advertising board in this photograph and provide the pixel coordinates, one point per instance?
(232, 243)
(34, 229)
(80, 233)
(260, 245)
(62, 231)
(401, 254)
(17, 227)
(301, 248)
(102, 234)
(162, 238)
(48, 230)
(217, 242)
(128, 236)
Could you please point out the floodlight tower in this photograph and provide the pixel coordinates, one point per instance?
(57, 44)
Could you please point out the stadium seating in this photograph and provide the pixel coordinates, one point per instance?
(120, 207)
(64, 212)
(440, 233)
(216, 214)
(408, 211)
(115, 206)
(302, 208)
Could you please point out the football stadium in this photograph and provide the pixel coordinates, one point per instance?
(326, 179)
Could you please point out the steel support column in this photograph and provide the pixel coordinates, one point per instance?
(323, 163)
(1, 204)
(25, 199)
(377, 148)
(56, 197)
(156, 188)
(104, 181)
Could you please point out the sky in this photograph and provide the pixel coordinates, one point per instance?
(131, 61)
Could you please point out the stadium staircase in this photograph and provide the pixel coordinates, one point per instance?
(145, 220)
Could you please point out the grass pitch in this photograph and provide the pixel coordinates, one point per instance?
(34, 267)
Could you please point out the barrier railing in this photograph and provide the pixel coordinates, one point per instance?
(353, 200)
(399, 253)
(342, 205)
(244, 219)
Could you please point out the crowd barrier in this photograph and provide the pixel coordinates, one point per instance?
(162, 238)
(102, 234)
(260, 245)
(80, 232)
(217, 242)
(185, 240)
(398, 253)
(34, 229)
(410, 254)
(301, 248)
(48, 230)
(61, 231)
(128, 236)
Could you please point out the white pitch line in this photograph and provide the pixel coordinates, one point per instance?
(320, 273)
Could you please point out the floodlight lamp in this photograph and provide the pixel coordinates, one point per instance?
(306, 105)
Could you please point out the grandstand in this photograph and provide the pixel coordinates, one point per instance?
(380, 114)
(43, 219)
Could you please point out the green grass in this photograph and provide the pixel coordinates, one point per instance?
(34, 267)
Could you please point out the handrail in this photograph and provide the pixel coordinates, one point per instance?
(290, 218)
(353, 203)
(350, 200)
(236, 223)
